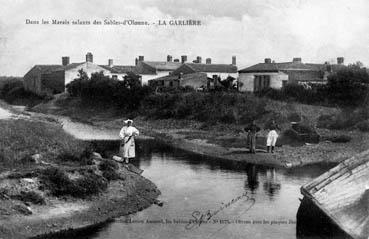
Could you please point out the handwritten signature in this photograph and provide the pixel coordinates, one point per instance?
(201, 218)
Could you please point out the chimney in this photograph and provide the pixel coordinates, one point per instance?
(169, 58)
(136, 61)
(267, 60)
(65, 60)
(198, 59)
(234, 60)
(340, 60)
(110, 62)
(183, 59)
(89, 57)
(297, 60)
(208, 60)
(141, 58)
(176, 60)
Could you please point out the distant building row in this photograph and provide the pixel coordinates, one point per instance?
(174, 73)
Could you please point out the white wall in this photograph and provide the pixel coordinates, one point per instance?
(146, 78)
(88, 67)
(247, 80)
(120, 76)
(222, 75)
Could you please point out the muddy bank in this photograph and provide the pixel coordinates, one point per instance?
(62, 215)
(81, 194)
(225, 141)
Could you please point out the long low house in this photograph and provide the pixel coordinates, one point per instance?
(197, 74)
(275, 75)
(52, 79)
(149, 70)
(194, 80)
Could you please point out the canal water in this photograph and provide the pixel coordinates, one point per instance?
(262, 202)
(235, 200)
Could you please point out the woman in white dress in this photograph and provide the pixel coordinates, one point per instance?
(127, 147)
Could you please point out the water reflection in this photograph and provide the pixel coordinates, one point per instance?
(252, 182)
(190, 182)
(271, 185)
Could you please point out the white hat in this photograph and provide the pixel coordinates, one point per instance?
(127, 121)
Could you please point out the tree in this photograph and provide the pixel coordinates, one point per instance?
(348, 86)
(132, 81)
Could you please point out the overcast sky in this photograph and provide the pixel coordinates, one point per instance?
(314, 30)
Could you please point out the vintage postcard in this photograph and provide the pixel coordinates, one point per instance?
(184, 119)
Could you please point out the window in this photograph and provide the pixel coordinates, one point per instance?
(284, 83)
(261, 82)
(115, 77)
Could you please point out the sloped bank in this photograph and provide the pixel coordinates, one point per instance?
(31, 208)
(67, 215)
(223, 141)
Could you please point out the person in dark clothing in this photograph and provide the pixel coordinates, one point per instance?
(252, 130)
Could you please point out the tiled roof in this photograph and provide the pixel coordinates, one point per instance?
(284, 66)
(47, 68)
(51, 68)
(168, 77)
(163, 65)
(225, 68)
(71, 66)
(191, 76)
(198, 67)
(119, 68)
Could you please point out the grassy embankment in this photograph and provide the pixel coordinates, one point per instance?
(211, 124)
(13, 92)
(48, 174)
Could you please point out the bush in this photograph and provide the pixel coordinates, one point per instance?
(344, 120)
(58, 182)
(103, 90)
(31, 196)
(109, 169)
(14, 93)
(205, 107)
(349, 86)
(296, 92)
(83, 158)
(363, 126)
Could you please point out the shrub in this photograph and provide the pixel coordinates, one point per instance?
(205, 107)
(31, 196)
(58, 182)
(109, 169)
(103, 90)
(363, 126)
(295, 92)
(83, 158)
(14, 93)
(349, 86)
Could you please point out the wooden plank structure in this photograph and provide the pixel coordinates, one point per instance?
(342, 194)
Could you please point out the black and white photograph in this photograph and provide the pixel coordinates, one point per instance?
(158, 119)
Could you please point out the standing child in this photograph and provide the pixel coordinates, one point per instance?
(272, 136)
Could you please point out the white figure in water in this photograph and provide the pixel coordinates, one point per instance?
(127, 146)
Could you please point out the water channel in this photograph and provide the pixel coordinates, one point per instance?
(262, 202)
